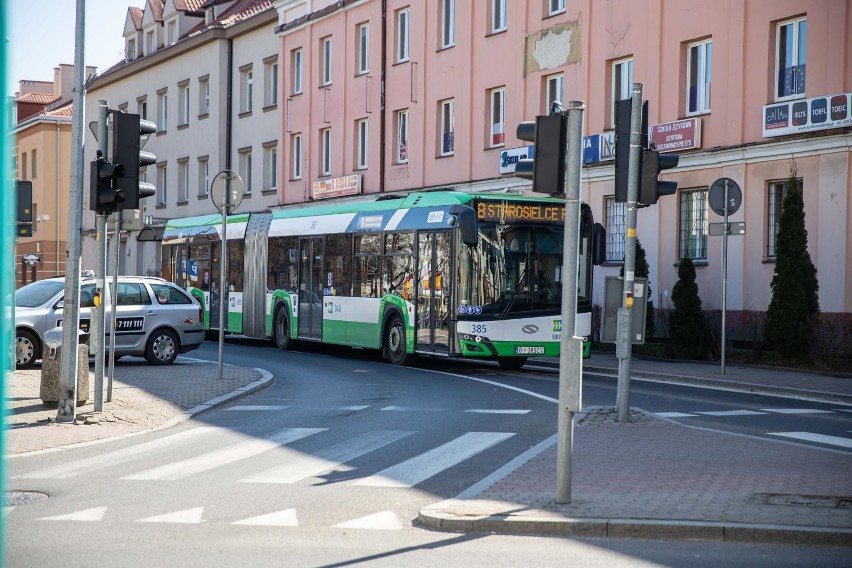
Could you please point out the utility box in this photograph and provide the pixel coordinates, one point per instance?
(613, 300)
(51, 365)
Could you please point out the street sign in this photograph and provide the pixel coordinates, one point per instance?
(32, 259)
(718, 229)
(131, 219)
(227, 180)
(717, 196)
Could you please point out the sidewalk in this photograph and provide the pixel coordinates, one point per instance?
(144, 398)
(656, 479)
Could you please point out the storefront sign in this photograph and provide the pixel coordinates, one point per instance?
(676, 136)
(599, 148)
(805, 115)
(510, 156)
(336, 187)
(32, 259)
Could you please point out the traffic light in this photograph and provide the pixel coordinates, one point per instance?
(547, 168)
(104, 196)
(623, 113)
(24, 191)
(651, 188)
(129, 134)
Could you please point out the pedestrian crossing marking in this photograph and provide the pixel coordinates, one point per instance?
(224, 456)
(257, 407)
(305, 466)
(88, 465)
(674, 414)
(355, 407)
(732, 413)
(413, 409)
(94, 514)
(187, 517)
(386, 520)
(420, 468)
(797, 411)
(497, 411)
(285, 518)
(819, 438)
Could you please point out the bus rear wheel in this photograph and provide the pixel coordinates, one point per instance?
(395, 342)
(282, 329)
(511, 363)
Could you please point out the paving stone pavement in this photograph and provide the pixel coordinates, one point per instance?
(143, 398)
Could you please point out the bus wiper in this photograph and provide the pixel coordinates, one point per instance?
(511, 303)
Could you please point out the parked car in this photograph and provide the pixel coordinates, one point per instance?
(155, 319)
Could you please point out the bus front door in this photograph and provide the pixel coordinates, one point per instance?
(433, 291)
(310, 288)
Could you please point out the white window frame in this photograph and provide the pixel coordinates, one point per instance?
(555, 7)
(296, 147)
(204, 96)
(447, 132)
(363, 48)
(183, 97)
(402, 148)
(448, 23)
(622, 83)
(163, 111)
(796, 24)
(497, 120)
(245, 170)
(204, 176)
(699, 67)
(162, 187)
(150, 42)
(270, 167)
(270, 80)
(326, 54)
(246, 89)
(297, 71)
(403, 35)
(172, 31)
(183, 180)
(325, 152)
(498, 16)
(131, 49)
(362, 144)
(692, 224)
(555, 91)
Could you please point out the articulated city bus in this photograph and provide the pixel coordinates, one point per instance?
(438, 273)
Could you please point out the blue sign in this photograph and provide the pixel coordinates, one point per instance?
(193, 269)
(591, 149)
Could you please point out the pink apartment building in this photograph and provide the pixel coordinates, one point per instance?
(398, 95)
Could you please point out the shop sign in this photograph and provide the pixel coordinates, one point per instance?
(806, 115)
(676, 136)
(32, 259)
(510, 156)
(336, 187)
(599, 148)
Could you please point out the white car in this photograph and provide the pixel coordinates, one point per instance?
(155, 319)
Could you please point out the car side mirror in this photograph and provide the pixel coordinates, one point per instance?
(59, 305)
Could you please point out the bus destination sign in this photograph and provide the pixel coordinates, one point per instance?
(508, 212)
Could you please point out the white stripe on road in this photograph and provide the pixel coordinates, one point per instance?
(674, 414)
(102, 461)
(732, 413)
(94, 514)
(797, 411)
(306, 466)
(257, 407)
(411, 472)
(413, 409)
(819, 438)
(386, 520)
(186, 517)
(354, 407)
(285, 518)
(496, 411)
(243, 450)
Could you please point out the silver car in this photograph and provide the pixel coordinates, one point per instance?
(155, 319)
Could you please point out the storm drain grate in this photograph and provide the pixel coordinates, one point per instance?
(821, 501)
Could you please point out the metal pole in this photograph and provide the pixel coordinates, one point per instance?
(571, 347)
(223, 261)
(725, 231)
(114, 300)
(100, 268)
(624, 341)
(67, 408)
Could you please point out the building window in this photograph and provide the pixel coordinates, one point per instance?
(270, 166)
(498, 16)
(448, 23)
(699, 64)
(362, 143)
(403, 21)
(142, 108)
(297, 71)
(203, 96)
(693, 224)
(402, 137)
(363, 49)
(162, 189)
(270, 81)
(448, 119)
(791, 40)
(23, 166)
(34, 164)
(163, 111)
(183, 111)
(622, 83)
(296, 166)
(203, 176)
(183, 180)
(774, 207)
(498, 117)
(131, 49)
(172, 32)
(325, 152)
(555, 92)
(616, 213)
(150, 43)
(325, 70)
(245, 170)
(246, 89)
(555, 7)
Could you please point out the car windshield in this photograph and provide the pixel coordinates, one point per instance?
(37, 293)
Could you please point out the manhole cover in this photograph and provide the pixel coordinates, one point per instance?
(14, 498)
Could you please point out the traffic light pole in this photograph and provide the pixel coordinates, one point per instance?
(100, 268)
(114, 296)
(623, 339)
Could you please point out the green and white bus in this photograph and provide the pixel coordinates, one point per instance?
(432, 273)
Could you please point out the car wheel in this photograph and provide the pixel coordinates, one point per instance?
(162, 348)
(511, 363)
(26, 349)
(281, 333)
(395, 342)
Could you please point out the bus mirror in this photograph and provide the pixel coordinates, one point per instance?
(466, 222)
(599, 245)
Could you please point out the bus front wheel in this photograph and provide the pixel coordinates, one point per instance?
(282, 329)
(395, 342)
(511, 363)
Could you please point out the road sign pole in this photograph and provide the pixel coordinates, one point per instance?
(114, 300)
(725, 230)
(223, 270)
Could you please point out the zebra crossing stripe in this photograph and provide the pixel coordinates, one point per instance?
(819, 438)
(496, 411)
(732, 413)
(797, 411)
(674, 414)
(411, 472)
(88, 465)
(186, 517)
(285, 518)
(306, 466)
(211, 460)
(94, 514)
(412, 409)
(386, 520)
(257, 407)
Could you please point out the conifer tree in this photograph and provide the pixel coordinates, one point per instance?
(687, 324)
(793, 311)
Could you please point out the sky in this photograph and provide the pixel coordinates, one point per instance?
(41, 35)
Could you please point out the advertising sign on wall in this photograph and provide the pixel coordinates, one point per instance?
(336, 187)
(676, 136)
(599, 147)
(806, 115)
(510, 156)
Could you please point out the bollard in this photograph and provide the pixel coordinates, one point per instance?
(51, 368)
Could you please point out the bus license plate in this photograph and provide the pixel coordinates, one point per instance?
(529, 350)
